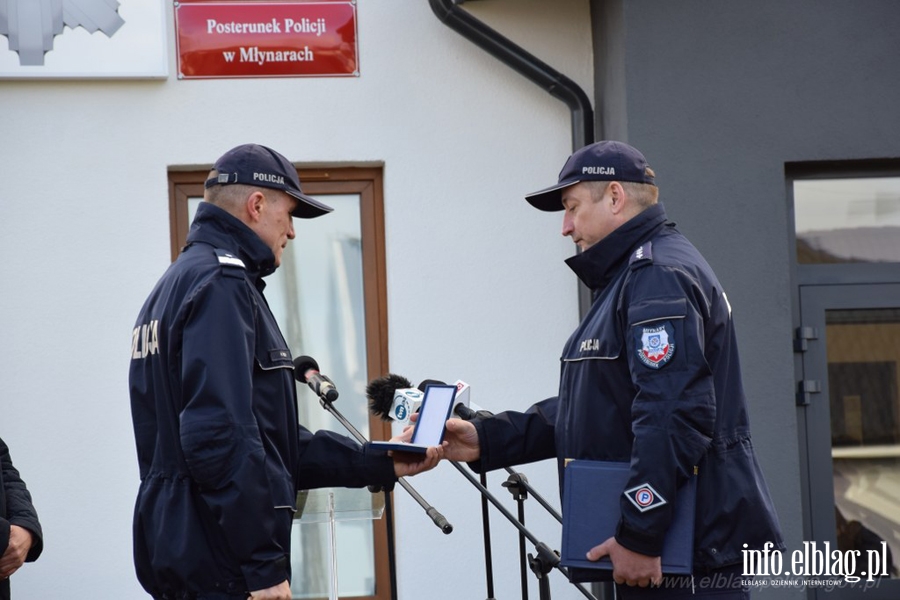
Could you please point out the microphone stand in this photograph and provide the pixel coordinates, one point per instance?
(544, 560)
(436, 517)
(517, 479)
(513, 483)
(519, 487)
(520, 494)
(431, 511)
(388, 505)
(486, 525)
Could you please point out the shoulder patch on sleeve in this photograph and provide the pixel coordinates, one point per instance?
(642, 256)
(644, 497)
(655, 343)
(229, 259)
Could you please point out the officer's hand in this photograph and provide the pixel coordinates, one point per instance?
(406, 434)
(629, 567)
(411, 463)
(16, 551)
(282, 591)
(461, 441)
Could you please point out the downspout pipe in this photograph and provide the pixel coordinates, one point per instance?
(532, 68)
(555, 83)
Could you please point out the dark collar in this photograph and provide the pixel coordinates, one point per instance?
(597, 265)
(216, 227)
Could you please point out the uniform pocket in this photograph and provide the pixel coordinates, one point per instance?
(656, 309)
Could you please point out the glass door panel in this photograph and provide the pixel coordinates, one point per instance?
(865, 432)
(853, 426)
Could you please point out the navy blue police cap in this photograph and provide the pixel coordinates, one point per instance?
(255, 165)
(600, 161)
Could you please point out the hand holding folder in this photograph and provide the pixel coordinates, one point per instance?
(591, 512)
(631, 568)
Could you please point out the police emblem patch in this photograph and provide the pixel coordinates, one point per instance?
(644, 497)
(655, 345)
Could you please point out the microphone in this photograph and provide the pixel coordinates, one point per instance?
(462, 407)
(393, 398)
(461, 401)
(467, 414)
(426, 382)
(464, 412)
(306, 370)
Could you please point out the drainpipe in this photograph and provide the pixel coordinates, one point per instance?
(558, 85)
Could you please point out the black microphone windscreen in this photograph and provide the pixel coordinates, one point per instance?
(380, 393)
(427, 382)
(302, 364)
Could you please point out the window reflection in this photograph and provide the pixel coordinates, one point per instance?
(853, 220)
(865, 429)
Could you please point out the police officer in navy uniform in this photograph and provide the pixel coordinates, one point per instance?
(651, 376)
(21, 537)
(213, 398)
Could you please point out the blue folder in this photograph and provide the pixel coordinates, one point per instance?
(591, 511)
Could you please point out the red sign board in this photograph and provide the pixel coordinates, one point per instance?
(266, 39)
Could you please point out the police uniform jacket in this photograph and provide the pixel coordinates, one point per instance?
(17, 509)
(652, 376)
(220, 449)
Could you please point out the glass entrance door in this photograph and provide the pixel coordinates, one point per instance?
(852, 429)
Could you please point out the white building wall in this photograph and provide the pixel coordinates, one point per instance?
(84, 235)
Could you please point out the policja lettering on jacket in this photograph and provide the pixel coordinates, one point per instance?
(145, 339)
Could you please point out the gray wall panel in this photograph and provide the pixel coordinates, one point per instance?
(719, 96)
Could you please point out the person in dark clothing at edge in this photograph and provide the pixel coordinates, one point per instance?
(21, 538)
(651, 376)
(220, 449)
